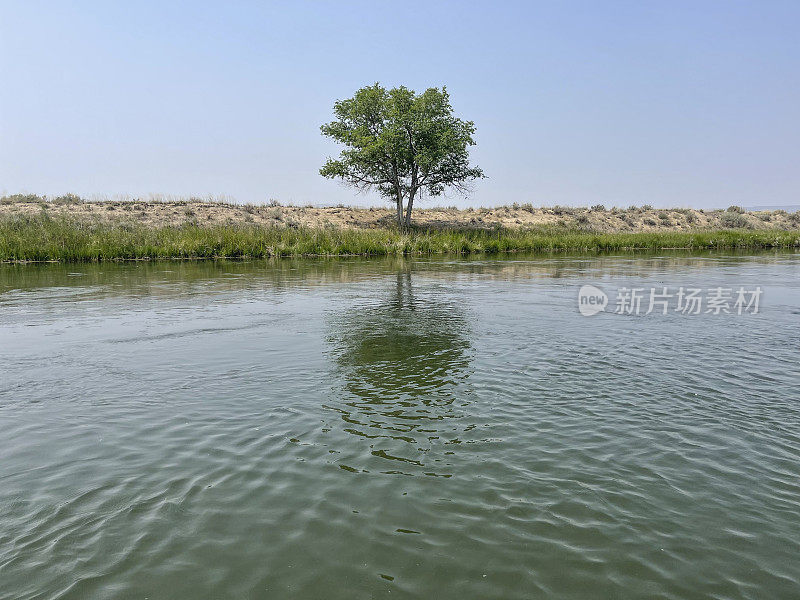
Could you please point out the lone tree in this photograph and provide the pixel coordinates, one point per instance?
(402, 144)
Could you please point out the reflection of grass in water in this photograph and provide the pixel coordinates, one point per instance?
(44, 238)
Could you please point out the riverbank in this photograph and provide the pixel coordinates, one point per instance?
(42, 237)
(176, 212)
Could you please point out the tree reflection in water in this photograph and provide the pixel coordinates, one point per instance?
(403, 363)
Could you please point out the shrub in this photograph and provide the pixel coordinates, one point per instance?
(67, 199)
(598, 208)
(735, 209)
(734, 220)
(27, 198)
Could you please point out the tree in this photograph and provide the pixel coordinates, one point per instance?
(402, 144)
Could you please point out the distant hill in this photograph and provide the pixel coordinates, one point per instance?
(787, 208)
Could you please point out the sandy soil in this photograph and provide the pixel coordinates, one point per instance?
(513, 216)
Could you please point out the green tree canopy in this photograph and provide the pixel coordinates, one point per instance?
(402, 144)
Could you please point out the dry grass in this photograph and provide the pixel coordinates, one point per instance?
(173, 212)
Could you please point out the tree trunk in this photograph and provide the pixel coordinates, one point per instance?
(399, 211)
(408, 207)
(412, 191)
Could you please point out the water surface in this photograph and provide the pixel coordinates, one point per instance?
(397, 429)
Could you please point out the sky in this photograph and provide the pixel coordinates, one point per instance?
(667, 103)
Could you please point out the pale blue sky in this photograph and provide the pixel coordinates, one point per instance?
(668, 103)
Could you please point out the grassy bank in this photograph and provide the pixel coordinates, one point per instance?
(44, 238)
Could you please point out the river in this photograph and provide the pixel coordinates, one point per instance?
(384, 428)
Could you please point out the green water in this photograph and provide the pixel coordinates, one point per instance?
(397, 429)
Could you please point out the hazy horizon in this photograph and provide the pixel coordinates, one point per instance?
(580, 103)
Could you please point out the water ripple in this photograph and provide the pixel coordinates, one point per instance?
(378, 429)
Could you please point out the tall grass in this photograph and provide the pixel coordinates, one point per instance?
(44, 238)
